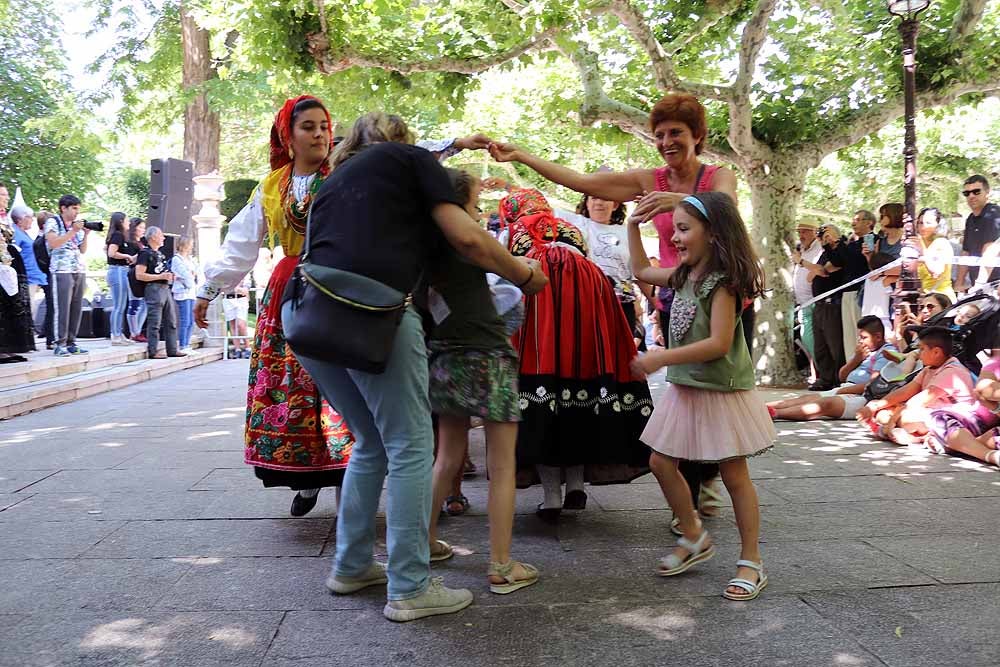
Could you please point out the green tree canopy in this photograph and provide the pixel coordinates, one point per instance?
(787, 82)
(46, 158)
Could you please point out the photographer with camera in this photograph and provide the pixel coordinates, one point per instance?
(66, 238)
(826, 274)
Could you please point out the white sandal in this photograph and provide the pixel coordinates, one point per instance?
(441, 550)
(752, 589)
(506, 572)
(697, 552)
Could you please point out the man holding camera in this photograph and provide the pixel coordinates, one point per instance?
(151, 268)
(827, 274)
(66, 237)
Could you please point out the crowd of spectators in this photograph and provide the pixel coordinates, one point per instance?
(914, 365)
(43, 281)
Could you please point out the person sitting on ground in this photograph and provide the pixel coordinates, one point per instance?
(974, 430)
(903, 415)
(929, 305)
(844, 401)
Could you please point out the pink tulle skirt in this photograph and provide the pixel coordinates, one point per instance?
(701, 425)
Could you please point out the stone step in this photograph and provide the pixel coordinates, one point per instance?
(94, 376)
(43, 365)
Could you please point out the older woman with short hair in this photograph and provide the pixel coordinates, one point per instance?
(24, 219)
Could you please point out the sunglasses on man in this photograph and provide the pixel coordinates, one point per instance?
(973, 191)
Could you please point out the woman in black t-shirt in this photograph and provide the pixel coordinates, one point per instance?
(121, 255)
(136, 315)
(384, 209)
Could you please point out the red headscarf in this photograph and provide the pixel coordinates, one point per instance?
(529, 208)
(281, 131)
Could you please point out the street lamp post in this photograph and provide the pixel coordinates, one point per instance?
(907, 10)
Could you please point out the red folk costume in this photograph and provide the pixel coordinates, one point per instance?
(294, 437)
(579, 401)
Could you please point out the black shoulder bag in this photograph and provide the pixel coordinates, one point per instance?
(340, 317)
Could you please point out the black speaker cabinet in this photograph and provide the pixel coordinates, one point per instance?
(163, 174)
(171, 195)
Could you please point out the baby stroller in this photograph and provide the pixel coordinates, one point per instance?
(974, 331)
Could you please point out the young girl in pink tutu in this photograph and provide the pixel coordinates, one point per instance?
(709, 412)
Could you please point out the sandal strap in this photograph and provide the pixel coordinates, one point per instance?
(753, 565)
(506, 570)
(747, 585)
(714, 497)
(696, 546)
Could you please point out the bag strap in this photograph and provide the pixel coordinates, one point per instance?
(304, 257)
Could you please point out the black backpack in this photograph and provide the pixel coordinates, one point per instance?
(41, 254)
(137, 286)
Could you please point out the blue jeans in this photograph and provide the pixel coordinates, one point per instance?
(136, 315)
(185, 320)
(390, 417)
(118, 284)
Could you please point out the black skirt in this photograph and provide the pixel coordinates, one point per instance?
(16, 333)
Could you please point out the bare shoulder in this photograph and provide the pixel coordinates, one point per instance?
(725, 181)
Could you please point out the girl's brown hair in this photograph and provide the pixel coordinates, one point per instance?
(732, 251)
(617, 216)
(462, 182)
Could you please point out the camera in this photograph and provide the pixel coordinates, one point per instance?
(93, 226)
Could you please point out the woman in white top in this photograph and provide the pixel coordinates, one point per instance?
(185, 271)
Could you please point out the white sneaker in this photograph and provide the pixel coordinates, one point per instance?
(434, 601)
(347, 585)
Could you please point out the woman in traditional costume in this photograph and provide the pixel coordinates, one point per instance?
(582, 411)
(294, 438)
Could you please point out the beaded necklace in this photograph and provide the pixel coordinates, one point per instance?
(297, 209)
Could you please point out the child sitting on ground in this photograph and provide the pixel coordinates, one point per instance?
(845, 401)
(975, 429)
(903, 416)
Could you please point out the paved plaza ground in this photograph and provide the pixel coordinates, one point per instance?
(131, 533)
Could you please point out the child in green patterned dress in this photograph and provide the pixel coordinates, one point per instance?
(474, 373)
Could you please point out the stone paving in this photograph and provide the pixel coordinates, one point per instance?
(132, 534)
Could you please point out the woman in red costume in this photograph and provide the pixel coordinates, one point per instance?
(582, 411)
(294, 438)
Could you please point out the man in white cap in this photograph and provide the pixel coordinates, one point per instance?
(809, 249)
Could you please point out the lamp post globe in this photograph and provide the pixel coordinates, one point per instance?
(908, 8)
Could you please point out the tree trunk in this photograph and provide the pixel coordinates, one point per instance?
(201, 125)
(775, 190)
